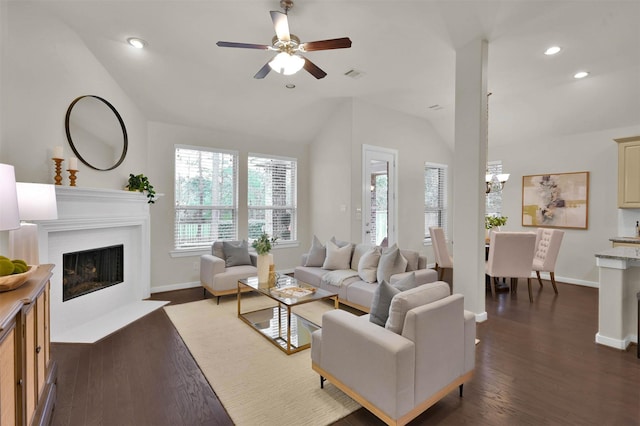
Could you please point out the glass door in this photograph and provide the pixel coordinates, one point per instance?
(378, 216)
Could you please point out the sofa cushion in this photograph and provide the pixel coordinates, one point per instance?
(391, 262)
(412, 257)
(382, 298)
(358, 251)
(368, 264)
(317, 253)
(236, 253)
(404, 301)
(337, 257)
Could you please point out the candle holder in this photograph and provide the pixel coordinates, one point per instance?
(58, 177)
(72, 177)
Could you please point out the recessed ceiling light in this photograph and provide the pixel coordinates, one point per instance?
(580, 74)
(138, 43)
(552, 50)
(290, 86)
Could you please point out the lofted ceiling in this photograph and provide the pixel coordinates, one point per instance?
(404, 50)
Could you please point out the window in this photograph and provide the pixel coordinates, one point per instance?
(272, 197)
(435, 198)
(206, 196)
(494, 199)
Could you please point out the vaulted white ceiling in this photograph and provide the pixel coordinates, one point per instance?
(405, 51)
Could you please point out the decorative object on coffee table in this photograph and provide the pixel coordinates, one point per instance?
(262, 244)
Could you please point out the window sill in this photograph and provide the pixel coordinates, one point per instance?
(199, 251)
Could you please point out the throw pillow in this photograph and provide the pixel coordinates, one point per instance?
(406, 283)
(391, 262)
(317, 253)
(382, 297)
(358, 251)
(218, 250)
(337, 257)
(368, 265)
(407, 300)
(236, 254)
(412, 257)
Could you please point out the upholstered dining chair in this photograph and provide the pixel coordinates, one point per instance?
(510, 255)
(443, 259)
(547, 248)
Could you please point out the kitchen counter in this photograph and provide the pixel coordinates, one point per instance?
(619, 282)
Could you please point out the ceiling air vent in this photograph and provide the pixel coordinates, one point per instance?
(353, 73)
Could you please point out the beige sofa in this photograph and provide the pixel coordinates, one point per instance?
(354, 290)
(219, 279)
(397, 376)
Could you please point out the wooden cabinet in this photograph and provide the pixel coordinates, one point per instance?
(27, 375)
(629, 172)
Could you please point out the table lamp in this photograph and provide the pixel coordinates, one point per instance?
(36, 201)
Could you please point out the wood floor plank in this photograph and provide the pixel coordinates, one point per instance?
(536, 364)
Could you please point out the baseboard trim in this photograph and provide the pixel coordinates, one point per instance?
(172, 287)
(567, 280)
(615, 343)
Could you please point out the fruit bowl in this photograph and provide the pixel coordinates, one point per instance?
(11, 282)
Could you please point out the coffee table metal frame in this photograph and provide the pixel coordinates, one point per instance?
(284, 304)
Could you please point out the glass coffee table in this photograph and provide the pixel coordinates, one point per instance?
(288, 331)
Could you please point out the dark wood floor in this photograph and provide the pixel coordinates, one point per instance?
(536, 364)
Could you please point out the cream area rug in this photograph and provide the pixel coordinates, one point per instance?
(257, 383)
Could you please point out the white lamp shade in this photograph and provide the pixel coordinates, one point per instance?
(9, 218)
(503, 177)
(286, 64)
(37, 201)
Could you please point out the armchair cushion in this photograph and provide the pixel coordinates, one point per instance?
(236, 253)
(337, 257)
(391, 262)
(381, 301)
(407, 300)
(317, 253)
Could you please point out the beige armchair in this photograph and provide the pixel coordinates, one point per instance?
(219, 279)
(547, 248)
(511, 255)
(398, 376)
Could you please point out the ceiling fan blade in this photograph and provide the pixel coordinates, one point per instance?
(281, 25)
(263, 71)
(243, 45)
(313, 69)
(336, 43)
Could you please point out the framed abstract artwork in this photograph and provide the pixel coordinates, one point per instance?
(558, 200)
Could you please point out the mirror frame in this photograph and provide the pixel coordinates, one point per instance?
(124, 132)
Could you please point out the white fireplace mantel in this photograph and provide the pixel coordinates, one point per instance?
(89, 219)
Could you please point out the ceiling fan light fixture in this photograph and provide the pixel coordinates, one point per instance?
(287, 64)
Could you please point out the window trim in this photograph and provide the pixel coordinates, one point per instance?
(445, 195)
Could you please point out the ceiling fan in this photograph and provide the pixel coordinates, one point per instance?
(289, 59)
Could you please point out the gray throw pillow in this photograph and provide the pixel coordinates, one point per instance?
(391, 262)
(407, 300)
(358, 251)
(368, 265)
(317, 253)
(406, 283)
(236, 254)
(382, 298)
(337, 257)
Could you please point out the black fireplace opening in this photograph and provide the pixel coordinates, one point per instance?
(91, 270)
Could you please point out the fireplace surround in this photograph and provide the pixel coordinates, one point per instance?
(91, 219)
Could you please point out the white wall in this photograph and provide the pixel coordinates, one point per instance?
(336, 162)
(45, 67)
(169, 272)
(596, 153)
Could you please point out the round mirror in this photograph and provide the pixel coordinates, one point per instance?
(96, 132)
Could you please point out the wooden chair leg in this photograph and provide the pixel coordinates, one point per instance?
(553, 282)
(530, 292)
(440, 274)
(461, 389)
(539, 279)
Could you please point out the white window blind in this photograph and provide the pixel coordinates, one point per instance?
(494, 199)
(272, 197)
(435, 197)
(205, 195)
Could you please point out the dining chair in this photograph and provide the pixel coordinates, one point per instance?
(547, 248)
(443, 259)
(511, 256)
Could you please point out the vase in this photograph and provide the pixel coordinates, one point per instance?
(264, 261)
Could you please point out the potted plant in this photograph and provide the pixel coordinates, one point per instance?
(263, 245)
(141, 183)
(491, 222)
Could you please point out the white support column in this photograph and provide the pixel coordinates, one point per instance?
(470, 159)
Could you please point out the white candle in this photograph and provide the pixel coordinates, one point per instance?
(57, 152)
(73, 163)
